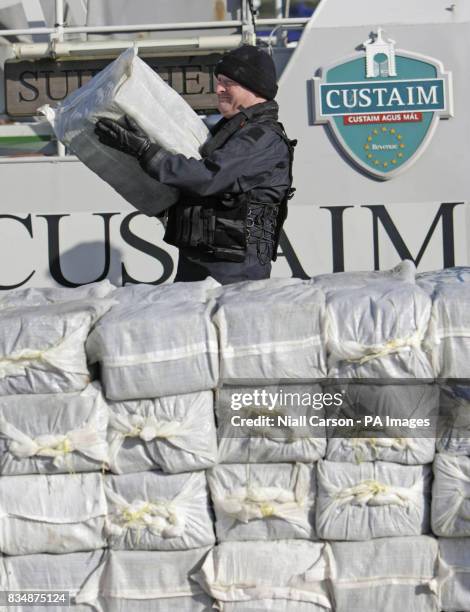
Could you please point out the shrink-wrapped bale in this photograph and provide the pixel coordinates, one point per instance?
(155, 511)
(53, 433)
(283, 576)
(448, 336)
(397, 423)
(263, 501)
(450, 511)
(138, 581)
(128, 86)
(377, 331)
(455, 588)
(371, 500)
(389, 574)
(454, 420)
(66, 574)
(157, 341)
(285, 439)
(456, 275)
(271, 329)
(52, 514)
(42, 348)
(405, 271)
(174, 433)
(33, 296)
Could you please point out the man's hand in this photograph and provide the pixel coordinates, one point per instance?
(124, 135)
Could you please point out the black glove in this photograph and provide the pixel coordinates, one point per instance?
(124, 135)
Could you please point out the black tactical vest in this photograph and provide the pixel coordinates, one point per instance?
(222, 226)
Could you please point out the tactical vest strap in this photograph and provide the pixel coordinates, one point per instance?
(282, 212)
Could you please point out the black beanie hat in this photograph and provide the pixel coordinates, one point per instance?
(251, 67)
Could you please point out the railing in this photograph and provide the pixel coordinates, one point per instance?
(59, 47)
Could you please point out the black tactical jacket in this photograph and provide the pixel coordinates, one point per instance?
(237, 193)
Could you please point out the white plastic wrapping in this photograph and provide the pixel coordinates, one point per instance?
(412, 442)
(155, 511)
(450, 512)
(454, 423)
(263, 501)
(429, 280)
(448, 337)
(157, 341)
(127, 86)
(271, 329)
(42, 348)
(282, 576)
(405, 271)
(52, 514)
(377, 331)
(455, 588)
(174, 433)
(371, 500)
(138, 581)
(388, 574)
(407, 451)
(33, 296)
(42, 572)
(47, 434)
(271, 444)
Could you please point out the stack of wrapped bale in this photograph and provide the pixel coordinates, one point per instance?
(105, 494)
(449, 341)
(158, 356)
(264, 488)
(373, 496)
(53, 439)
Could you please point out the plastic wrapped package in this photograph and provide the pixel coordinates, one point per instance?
(454, 421)
(41, 572)
(263, 501)
(371, 500)
(429, 280)
(415, 407)
(279, 443)
(53, 433)
(175, 433)
(282, 576)
(450, 511)
(138, 581)
(157, 341)
(52, 514)
(377, 331)
(455, 588)
(448, 337)
(128, 86)
(155, 511)
(33, 296)
(388, 574)
(42, 348)
(405, 271)
(271, 329)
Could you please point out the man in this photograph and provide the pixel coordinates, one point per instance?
(233, 201)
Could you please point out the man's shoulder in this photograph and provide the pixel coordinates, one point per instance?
(264, 133)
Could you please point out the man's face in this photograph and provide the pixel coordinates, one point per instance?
(231, 95)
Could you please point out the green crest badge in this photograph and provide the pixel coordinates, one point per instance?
(383, 105)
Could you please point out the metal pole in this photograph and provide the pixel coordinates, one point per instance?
(59, 20)
(291, 21)
(209, 25)
(113, 47)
